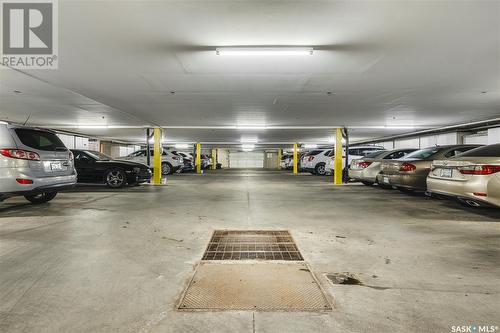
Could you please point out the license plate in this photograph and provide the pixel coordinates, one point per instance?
(446, 173)
(56, 166)
(386, 180)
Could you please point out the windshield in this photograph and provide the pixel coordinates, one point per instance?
(422, 154)
(98, 156)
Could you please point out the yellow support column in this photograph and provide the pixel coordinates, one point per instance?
(337, 163)
(157, 156)
(279, 158)
(198, 158)
(214, 159)
(295, 159)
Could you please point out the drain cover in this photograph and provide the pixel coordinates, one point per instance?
(285, 286)
(252, 244)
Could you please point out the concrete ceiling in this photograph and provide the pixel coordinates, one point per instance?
(145, 63)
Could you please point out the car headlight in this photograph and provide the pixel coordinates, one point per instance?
(136, 170)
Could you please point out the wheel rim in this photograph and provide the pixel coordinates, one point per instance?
(115, 178)
(165, 169)
(321, 169)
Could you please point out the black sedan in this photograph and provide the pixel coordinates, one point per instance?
(95, 167)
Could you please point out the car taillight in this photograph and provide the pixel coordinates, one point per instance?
(71, 156)
(479, 169)
(175, 158)
(20, 154)
(363, 164)
(407, 167)
(310, 158)
(24, 181)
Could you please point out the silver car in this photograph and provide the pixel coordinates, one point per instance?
(34, 163)
(366, 169)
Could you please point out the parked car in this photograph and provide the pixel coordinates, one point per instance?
(286, 162)
(367, 168)
(187, 160)
(34, 163)
(95, 167)
(354, 153)
(472, 177)
(206, 161)
(170, 162)
(410, 173)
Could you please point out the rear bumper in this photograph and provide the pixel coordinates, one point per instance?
(41, 186)
(410, 181)
(462, 190)
(363, 175)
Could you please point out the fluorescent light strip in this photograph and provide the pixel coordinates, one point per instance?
(181, 146)
(264, 51)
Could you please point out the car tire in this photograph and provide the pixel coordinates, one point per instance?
(115, 178)
(41, 198)
(166, 169)
(367, 183)
(320, 169)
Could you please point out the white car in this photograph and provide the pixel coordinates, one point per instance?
(170, 162)
(287, 162)
(354, 153)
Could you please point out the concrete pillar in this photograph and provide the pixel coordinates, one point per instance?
(157, 149)
(198, 158)
(337, 163)
(214, 159)
(295, 159)
(280, 153)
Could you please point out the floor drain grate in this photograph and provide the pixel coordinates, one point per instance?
(252, 244)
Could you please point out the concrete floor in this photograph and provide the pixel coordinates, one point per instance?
(97, 260)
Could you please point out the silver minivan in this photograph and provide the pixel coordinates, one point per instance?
(34, 163)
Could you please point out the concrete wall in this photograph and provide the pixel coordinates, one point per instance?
(493, 135)
(78, 142)
(223, 157)
(489, 136)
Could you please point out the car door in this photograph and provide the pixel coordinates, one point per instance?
(84, 166)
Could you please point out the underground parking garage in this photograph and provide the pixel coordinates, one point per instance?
(250, 166)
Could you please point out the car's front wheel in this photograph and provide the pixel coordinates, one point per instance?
(115, 178)
(41, 198)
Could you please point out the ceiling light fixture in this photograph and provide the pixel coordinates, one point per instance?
(310, 146)
(181, 146)
(248, 147)
(264, 51)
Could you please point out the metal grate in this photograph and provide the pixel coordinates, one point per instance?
(252, 244)
(255, 286)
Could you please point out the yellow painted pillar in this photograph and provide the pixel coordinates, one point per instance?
(337, 163)
(295, 159)
(198, 158)
(279, 158)
(214, 159)
(157, 151)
